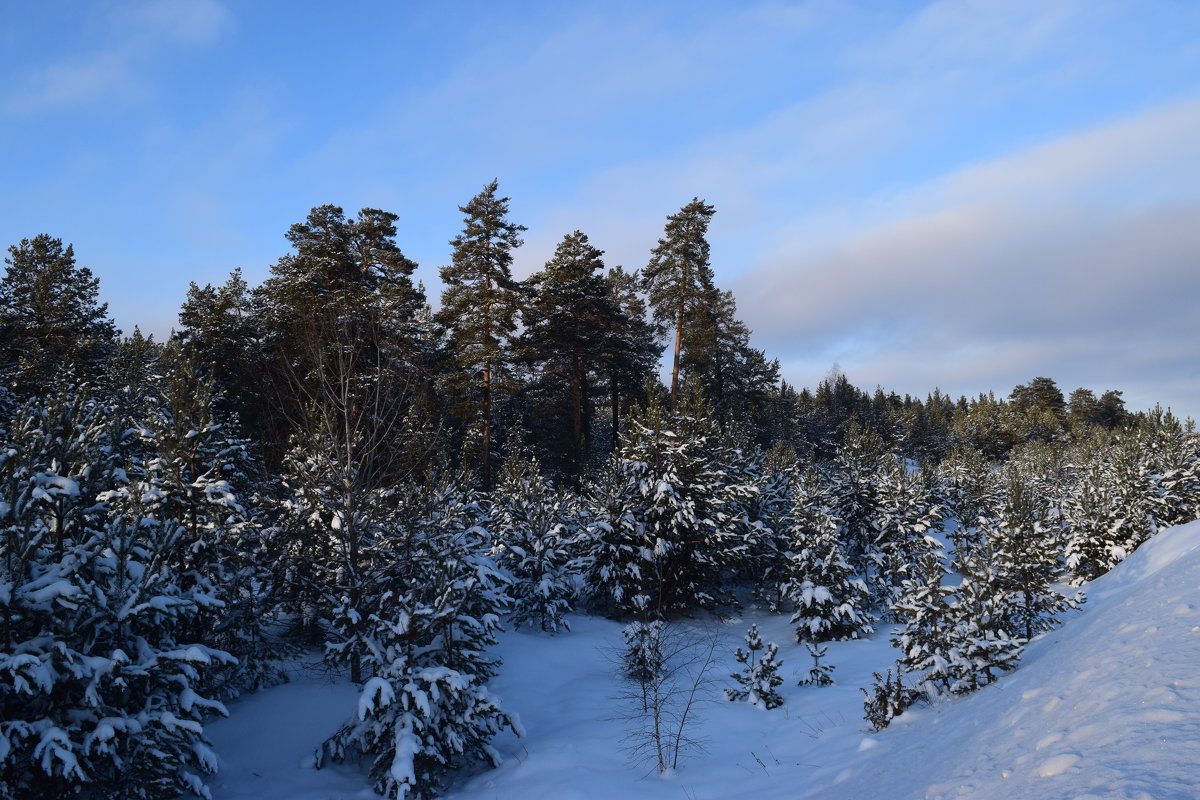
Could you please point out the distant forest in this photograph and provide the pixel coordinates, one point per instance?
(325, 461)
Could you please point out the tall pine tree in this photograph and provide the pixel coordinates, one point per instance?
(480, 306)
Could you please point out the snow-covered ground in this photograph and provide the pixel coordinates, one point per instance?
(1106, 706)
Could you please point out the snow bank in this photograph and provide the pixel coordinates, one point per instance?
(1107, 706)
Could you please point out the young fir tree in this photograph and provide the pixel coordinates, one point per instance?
(678, 280)
(669, 534)
(480, 305)
(923, 611)
(425, 710)
(818, 674)
(1026, 559)
(906, 519)
(535, 528)
(829, 601)
(758, 682)
(104, 697)
(50, 320)
(981, 643)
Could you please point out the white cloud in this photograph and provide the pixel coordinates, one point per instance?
(1075, 259)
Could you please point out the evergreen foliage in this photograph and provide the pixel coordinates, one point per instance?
(480, 305)
(536, 529)
(102, 667)
(425, 628)
(50, 317)
(666, 536)
(758, 682)
(887, 699)
(818, 674)
(678, 283)
(829, 600)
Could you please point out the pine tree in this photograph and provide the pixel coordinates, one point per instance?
(855, 477)
(194, 478)
(981, 644)
(1172, 454)
(614, 581)
(737, 378)
(906, 519)
(669, 532)
(480, 306)
(678, 279)
(970, 490)
(818, 674)
(105, 677)
(629, 350)
(341, 328)
(221, 330)
(774, 475)
(830, 602)
(535, 528)
(425, 709)
(1027, 562)
(50, 320)
(758, 683)
(567, 321)
(923, 611)
(888, 699)
(1108, 511)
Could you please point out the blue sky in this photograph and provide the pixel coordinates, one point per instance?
(961, 194)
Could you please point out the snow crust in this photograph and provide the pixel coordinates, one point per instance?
(1106, 706)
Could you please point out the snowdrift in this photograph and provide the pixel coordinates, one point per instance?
(1107, 706)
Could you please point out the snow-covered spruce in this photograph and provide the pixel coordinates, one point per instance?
(829, 601)
(535, 532)
(666, 521)
(906, 516)
(759, 680)
(819, 674)
(100, 687)
(424, 709)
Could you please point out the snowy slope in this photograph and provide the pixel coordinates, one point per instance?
(1107, 706)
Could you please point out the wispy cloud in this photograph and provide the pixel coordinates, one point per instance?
(119, 68)
(1075, 259)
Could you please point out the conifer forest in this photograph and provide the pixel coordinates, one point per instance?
(333, 473)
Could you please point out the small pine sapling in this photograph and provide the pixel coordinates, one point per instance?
(887, 699)
(758, 681)
(818, 674)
